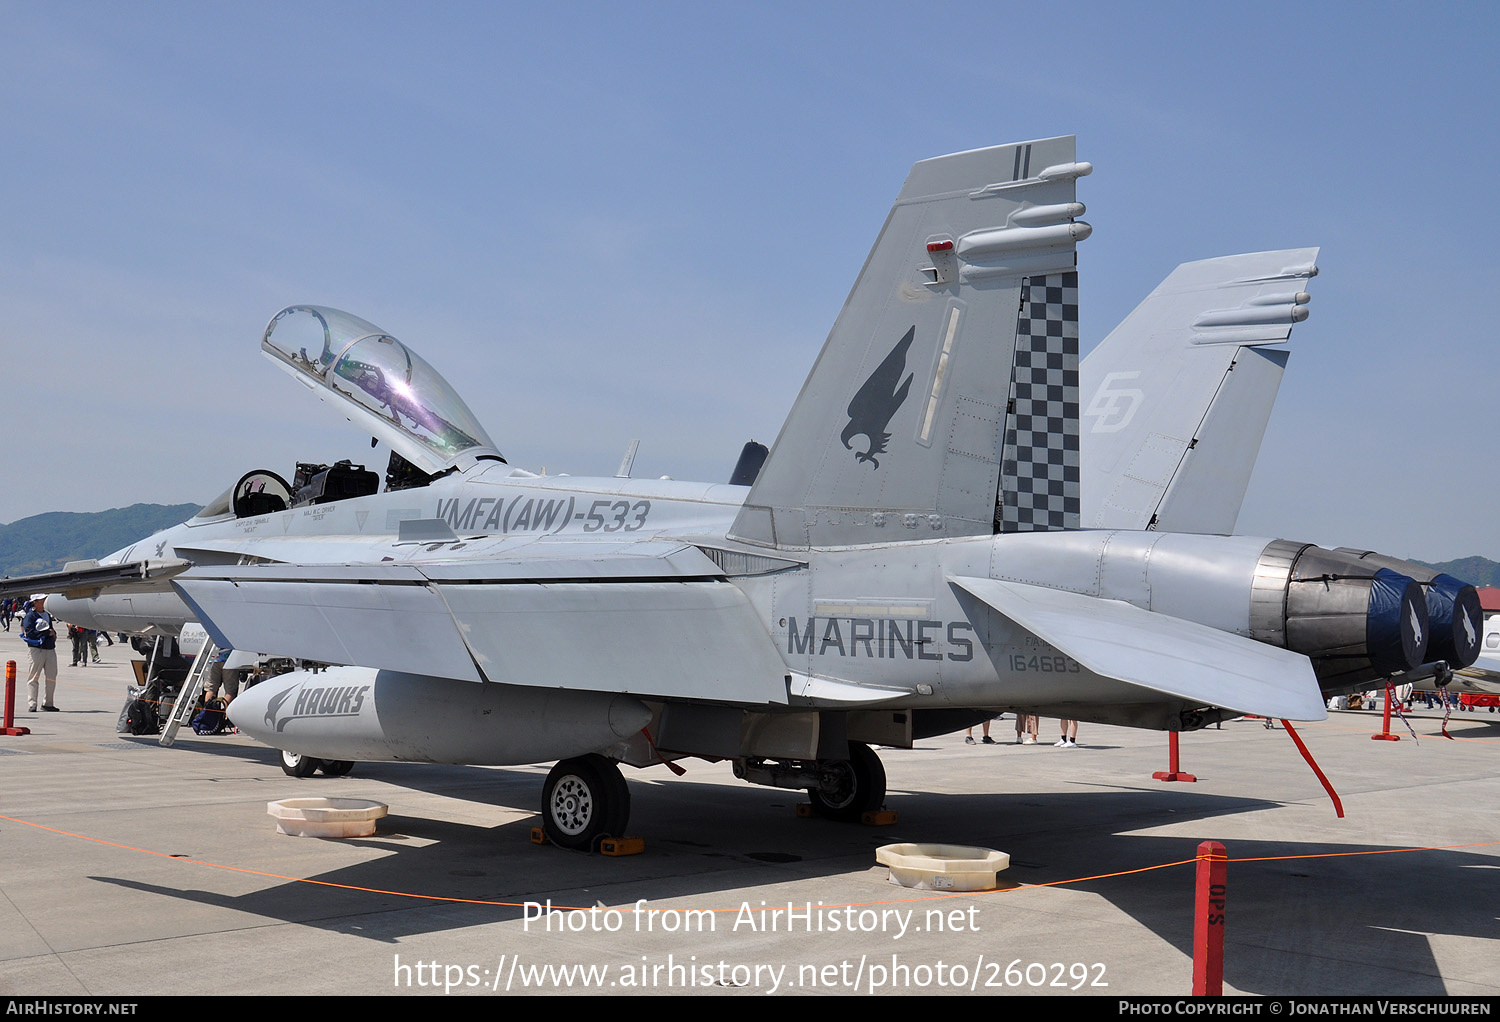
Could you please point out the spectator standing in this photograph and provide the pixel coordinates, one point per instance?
(40, 634)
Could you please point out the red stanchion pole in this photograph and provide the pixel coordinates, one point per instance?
(1172, 773)
(10, 703)
(1385, 730)
(1208, 920)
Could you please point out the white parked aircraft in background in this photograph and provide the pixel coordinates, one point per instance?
(908, 560)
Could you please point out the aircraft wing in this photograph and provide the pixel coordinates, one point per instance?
(1190, 661)
(1174, 402)
(89, 578)
(653, 619)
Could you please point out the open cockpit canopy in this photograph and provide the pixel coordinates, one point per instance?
(379, 384)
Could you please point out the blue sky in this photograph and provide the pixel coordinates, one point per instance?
(608, 221)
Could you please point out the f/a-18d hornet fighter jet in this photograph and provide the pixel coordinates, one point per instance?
(909, 559)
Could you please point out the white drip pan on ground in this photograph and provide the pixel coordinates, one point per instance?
(326, 817)
(943, 867)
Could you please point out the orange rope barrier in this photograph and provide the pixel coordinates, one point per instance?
(767, 908)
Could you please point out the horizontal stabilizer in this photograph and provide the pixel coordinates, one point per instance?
(1189, 661)
(88, 578)
(650, 626)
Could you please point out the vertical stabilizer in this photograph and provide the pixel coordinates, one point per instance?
(945, 400)
(1176, 398)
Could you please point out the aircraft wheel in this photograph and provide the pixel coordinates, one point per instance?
(584, 799)
(850, 787)
(337, 767)
(294, 764)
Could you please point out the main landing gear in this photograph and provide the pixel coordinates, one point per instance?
(849, 788)
(585, 799)
(840, 789)
(294, 764)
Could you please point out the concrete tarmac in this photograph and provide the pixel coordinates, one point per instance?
(133, 869)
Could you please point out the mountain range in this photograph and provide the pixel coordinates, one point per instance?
(46, 542)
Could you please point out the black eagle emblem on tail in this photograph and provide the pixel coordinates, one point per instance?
(877, 401)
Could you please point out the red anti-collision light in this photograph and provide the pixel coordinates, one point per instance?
(940, 246)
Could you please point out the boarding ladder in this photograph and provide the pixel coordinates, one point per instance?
(187, 696)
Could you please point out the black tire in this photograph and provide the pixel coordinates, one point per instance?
(337, 767)
(850, 787)
(294, 764)
(584, 799)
